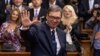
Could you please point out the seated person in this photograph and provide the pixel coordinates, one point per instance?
(9, 32)
(69, 25)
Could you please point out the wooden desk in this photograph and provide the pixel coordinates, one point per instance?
(22, 45)
(28, 53)
(88, 31)
(14, 53)
(72, 53)
(86, 47)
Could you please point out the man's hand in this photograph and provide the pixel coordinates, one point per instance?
(26, 22)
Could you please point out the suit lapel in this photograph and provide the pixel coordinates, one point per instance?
(60, 38)
(31, 14)
(40, 12)
(87, 4)
(48, 36)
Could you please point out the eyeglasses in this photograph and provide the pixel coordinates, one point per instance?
(54, 18)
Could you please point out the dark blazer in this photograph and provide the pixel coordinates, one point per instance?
(41, 15)
(83, 8)
(40, 38)
(91, 23)
(46, 4)
(2, 11)
(26, 2)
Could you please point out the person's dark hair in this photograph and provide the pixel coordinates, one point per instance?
(98, 13)
(54, 8)
(96, 8)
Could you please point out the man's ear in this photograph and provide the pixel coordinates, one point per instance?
(46, 17)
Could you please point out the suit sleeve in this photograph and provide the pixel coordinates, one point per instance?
(29, 34)
(64, 52)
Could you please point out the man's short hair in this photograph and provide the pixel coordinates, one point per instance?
(54, 8)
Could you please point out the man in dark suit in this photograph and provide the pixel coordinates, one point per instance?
(85, 7)
(37, 11)
(48, 3)
(46, 38)
(26, 2)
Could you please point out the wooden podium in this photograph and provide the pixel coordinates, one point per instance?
(72, 53)
(28, 53)
(14, 53)
(86, 44)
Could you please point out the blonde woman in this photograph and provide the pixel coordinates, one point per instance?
(69, 25)
(69, 17)
(9, 32)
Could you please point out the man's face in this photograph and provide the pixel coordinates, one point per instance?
(18, 2)
(53, 19)
(36, 3)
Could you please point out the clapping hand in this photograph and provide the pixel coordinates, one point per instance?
(69, 28)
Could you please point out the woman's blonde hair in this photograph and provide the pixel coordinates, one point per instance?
(72, 19)
(18, 20)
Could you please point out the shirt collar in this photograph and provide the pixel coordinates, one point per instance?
(53, 29)
(38, 9)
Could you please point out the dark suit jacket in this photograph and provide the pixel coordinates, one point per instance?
(83, 8)
(46, 4)
(41, 15)
(26, 2)
(40, 38)
(2, 11)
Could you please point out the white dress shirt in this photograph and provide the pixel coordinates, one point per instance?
(7, 1)
(91, 3)
(57, 41)
(36, 11)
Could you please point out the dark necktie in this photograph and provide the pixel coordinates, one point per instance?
(54, 44)
(36, 13)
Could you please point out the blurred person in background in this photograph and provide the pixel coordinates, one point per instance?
(17, 4)
(3, 5)
(9, 32)
(84, 9)
(94, 23)
(50, 3)
(69, 23)
(37, 13)
(95, 38)
(93, 20)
